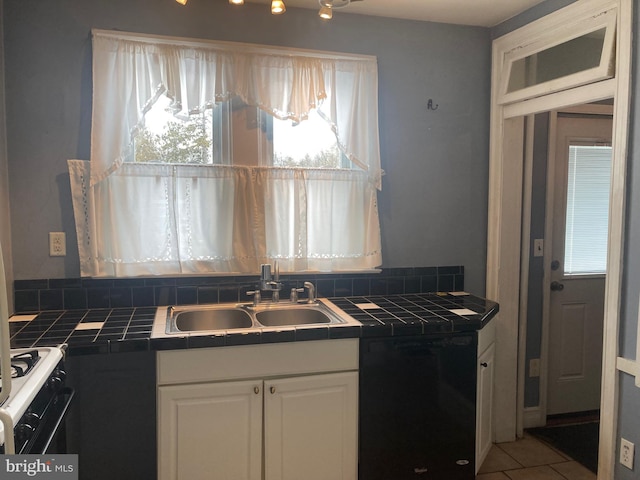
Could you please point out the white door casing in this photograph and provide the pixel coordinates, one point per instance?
(503, 273)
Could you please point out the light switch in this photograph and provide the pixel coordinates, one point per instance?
(538, 247)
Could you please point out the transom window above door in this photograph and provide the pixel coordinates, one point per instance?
(577, 53)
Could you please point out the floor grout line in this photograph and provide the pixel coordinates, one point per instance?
(507, 473)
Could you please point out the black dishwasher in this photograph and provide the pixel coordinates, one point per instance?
(418, 407)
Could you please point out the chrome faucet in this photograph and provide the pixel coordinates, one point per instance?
(293, 298)
(256, 296)
(295, 291)
(312, 292)
(269, 282)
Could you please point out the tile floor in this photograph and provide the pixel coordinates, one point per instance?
(530, 459)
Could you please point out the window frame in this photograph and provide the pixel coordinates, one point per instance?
(195, 218)
(557, 36)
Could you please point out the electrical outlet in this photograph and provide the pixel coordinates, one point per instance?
(57, 244)
(534, 367)
(626, 453)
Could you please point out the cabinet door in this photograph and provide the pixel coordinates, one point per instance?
(484, 417)
(210, 431)
(311, 426)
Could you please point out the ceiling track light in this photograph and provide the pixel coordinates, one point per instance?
(328, 6)
(278, 7)
(326, 13)
(334, 4)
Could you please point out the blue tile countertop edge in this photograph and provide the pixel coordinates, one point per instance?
(119, 330)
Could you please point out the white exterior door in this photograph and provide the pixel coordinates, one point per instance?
(311, 427)
(210, 431)
(578, 269)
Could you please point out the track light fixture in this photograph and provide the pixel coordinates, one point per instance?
(277, 7)
(326, 13)
(328, 6)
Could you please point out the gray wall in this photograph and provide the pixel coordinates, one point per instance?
(534, 13)
(433, 205)
(5, 224)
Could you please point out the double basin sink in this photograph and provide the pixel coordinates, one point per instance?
(196, 319)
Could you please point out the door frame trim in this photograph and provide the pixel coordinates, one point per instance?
(504, 224)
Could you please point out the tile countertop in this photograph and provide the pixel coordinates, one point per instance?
(129, 329)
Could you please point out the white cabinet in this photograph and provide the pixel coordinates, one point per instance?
(225, 426)
(484, 393)
(210, 431)
(311, 427)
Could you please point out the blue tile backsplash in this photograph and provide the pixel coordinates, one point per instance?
(81, 293)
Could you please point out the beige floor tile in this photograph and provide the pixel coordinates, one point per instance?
(531, 452)
(497, 461)
(574, 471)
(492, 476)
(566, 457)
(535, 473)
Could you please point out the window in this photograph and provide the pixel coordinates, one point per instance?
(214, 157)
(587, 220)
(232, 132)
(165, 138)
(577, 53)
(309, 143)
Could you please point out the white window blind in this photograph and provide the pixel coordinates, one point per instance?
(587, 216)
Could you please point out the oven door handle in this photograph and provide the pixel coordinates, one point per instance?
(61, 412)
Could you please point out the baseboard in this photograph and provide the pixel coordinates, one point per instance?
(532, 417)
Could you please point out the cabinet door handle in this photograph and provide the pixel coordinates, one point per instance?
(256, 390)
(272, 390)
(484, 364)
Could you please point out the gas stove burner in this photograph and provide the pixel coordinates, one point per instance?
(22, 363)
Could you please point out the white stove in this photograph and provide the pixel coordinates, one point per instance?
(36, 401)
(33, 371)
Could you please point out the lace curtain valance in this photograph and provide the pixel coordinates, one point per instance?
(131, 71)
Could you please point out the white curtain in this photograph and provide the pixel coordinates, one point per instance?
(131, 71)
(166, 219)
(181, 219)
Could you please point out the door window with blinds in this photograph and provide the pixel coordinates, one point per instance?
(587, 217)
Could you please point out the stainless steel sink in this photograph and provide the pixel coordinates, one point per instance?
(303, 314)
(206, 318)
(203, 319)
